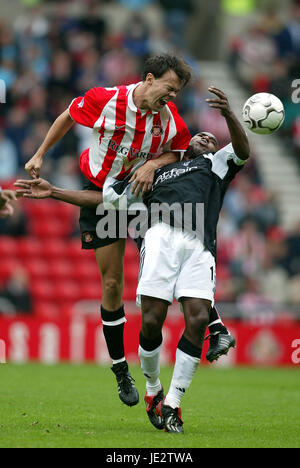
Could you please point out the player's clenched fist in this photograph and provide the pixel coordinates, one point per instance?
(33, 166)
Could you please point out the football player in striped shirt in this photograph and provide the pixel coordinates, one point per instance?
(136, 129)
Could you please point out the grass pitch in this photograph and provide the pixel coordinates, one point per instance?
(78, 406)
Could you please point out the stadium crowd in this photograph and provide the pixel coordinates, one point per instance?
(48, 59)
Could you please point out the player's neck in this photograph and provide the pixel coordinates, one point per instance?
(139, 97)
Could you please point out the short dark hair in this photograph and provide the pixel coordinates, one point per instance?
(158, 65)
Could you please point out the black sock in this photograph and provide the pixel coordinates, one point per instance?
(215, 319)
(113, 330)
(150, 345)
(189, 348)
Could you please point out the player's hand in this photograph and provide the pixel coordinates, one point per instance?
(143, 179)
(33, 166)
(7, 196)
(220, 102)
(6, 209)
(36, 188)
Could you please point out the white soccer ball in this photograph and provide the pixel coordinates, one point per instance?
(263, 113)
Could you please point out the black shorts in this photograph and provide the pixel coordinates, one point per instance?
(89, 227)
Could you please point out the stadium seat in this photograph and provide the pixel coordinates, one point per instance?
(129, 292)
(59, 269)
(47, 310)
(8, 247)
(37, 268)
(85, 270)
(50, 228)
(55, 248)
(8, 266)
(91, 290)
(66, 291)
(29, 247)
(43, 290)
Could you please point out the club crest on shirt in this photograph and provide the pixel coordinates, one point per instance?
(157, 130)
(87, 237)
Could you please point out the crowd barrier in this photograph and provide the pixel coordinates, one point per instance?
(80, 339)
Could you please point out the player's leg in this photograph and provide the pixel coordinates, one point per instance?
(194, 289)
(154, 312)
(109, 252)
(158, 274)
(188, 354)
(110, 260)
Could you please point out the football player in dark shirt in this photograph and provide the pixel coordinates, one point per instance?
(178, 258)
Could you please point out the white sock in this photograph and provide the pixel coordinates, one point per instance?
(151, 368)
(184, 371)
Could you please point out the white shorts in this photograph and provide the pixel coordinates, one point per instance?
(175, 264)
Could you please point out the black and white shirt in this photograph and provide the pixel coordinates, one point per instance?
(191, 191)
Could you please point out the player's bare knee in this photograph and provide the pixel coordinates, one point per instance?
(112, 287)
(196, 314)
(151, 325)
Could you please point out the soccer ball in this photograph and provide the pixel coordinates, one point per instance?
(263, 113)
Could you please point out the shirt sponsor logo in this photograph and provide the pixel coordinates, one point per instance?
(129, 153)
(173, 173)
(87, 237)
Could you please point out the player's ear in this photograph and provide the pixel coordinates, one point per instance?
(149, 78)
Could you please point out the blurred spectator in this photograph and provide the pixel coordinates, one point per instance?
(16, 225)
(294, 291)
(8, 158)
(292, 259)
(177, 13)
(15, 297)
(248, 250)
(136, 36)
(135, 4)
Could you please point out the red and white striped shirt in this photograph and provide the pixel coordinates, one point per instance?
(123, 137)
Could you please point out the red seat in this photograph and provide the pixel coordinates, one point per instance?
(47, 310)
(36, 267)
(7, 267)
(91, 290)
(85, 270)
(42, 290)
(55, 248)
(131, 252)
(59, 269)
(39, 209)
(29, 247)
(50, 228)
(8, 247)
(67, 291)
(129, 292)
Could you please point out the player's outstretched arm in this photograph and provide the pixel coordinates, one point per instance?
(59, 128)
(238, 135)
(41, 189)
